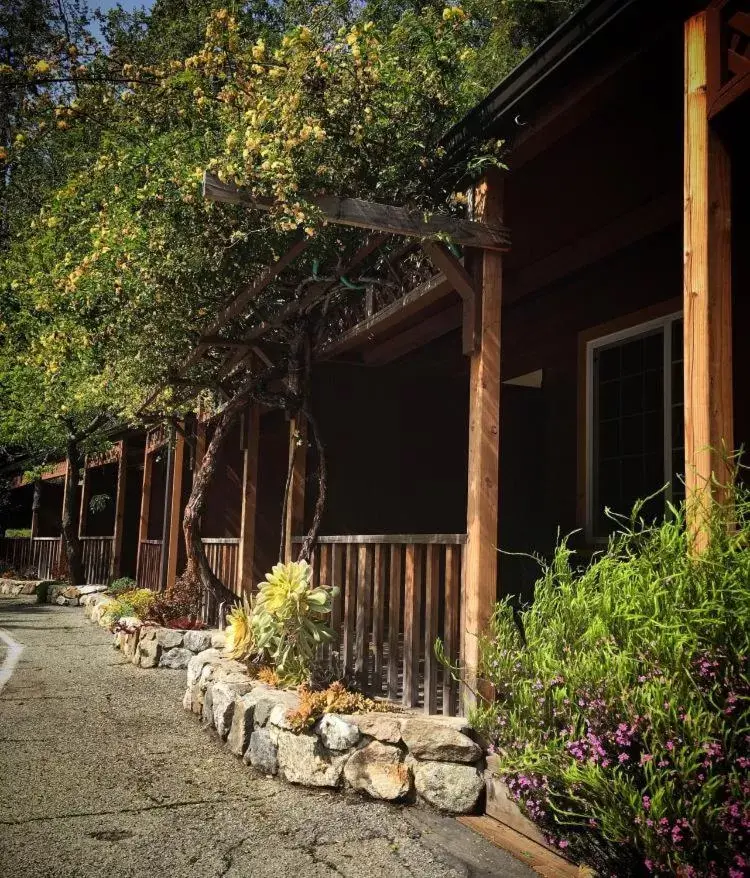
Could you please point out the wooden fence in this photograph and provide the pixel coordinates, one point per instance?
(48, 557)
(398, 594)
(223, 555)
(149, 564)
(17, 551)
(96, 555)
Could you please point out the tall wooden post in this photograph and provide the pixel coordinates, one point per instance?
(85, 491)
(295, 510)
(148, 466)
(707, 289)
(36, 502)
(480, 569)
(175, 507)
(122, 470)
(250, 442)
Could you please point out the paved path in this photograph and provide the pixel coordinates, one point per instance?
(102, 774)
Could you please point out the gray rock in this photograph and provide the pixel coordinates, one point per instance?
(207, 711)
(447, 786)
(187, 700)
(278, 717)
(438, 741)
(304, 760)
(265, 699)
(176, 659)
(197, 641)
(378, 769)
(262, 753)
(91, 589)
(198, 662)
(169, 638)
(238, 739)
(223, 696)
(218, 639)
(147, 654)
(61, 601)
(384, 727)
(336, 733)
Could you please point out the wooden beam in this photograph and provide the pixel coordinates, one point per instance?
(370, 215)
(415, 337)
(148, 466)
(463, 284)
(480, 579)
(175, 508)
(389, 317)
(707, 291)
(245, 571)
(122, 471)
(295, 511)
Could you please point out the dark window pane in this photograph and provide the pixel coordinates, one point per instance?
(608, 363)
(632, 395)
(609, 439)
(653, 390)
(632, 357)
(632, 435)
(609, 400)
(653, 352)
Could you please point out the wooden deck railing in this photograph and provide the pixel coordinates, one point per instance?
(223, 555)
(149, 564)
(48, 557)
(399, 593)
(96, 555)
(16, 551)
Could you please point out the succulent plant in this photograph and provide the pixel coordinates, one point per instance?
(288, 618)
(239, 634)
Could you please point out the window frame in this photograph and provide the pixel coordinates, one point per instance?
(663, 323)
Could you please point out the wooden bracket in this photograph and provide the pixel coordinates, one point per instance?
(445, 261)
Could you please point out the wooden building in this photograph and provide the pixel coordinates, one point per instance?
(512, 396)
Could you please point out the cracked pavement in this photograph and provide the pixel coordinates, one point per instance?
(103, 774)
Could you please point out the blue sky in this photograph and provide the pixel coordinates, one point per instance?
(126, 4)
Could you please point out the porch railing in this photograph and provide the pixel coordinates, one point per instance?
(96, 556)
(223, 555)
(149, 564)
(48, 557)
(16, 551)
(398, 594)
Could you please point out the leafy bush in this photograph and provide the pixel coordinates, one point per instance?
(335, 699)
(130, 603)
(622, 716)
(118, 586)
(17, 532)
(287, 619)
(183, 603)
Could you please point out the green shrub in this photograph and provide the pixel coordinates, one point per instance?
(287, 619)
(18, 532)
(118, 586)
(130, 603)
(622, 716)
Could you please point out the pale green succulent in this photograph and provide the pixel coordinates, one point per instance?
(288, 618)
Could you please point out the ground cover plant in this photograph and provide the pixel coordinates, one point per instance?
(130, 604)
(622, 717)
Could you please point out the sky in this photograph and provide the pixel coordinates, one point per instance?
(126, 4)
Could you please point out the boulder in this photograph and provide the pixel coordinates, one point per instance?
(265, 699)
(336, 733)
(168, 638)
(91, 589)
(304, 760)
(278, 717)
(61, 601)
(207, 711)
(262, 753)
(198, 662)
(197, 641)
(71, 591)
(187, 700)
(175, 659)
(147, 654)
(218, 639)
(447, 786)
(384, 727)
(437, 741)
(223, 697)
(378, 769)
(238, 739)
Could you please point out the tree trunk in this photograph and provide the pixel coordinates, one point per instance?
(69, 518)
(309, 543)
(197, 562)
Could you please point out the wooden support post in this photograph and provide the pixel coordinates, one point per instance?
(707, 291)
(480, 573)
(122, 469)
(295, 510)
(36, 503)
(175, 508)
(245, 572)
(85, 491)
(148, 466)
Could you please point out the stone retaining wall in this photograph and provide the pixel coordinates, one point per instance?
(14, 587)
(388, 756)
(66, 595)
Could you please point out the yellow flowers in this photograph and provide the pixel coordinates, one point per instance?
(454, 14)
(42, 67)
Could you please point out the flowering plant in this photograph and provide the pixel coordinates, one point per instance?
(622, 704)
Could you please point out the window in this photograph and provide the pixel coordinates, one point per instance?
(635, 432)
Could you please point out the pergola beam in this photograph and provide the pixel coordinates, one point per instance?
(370, 215)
